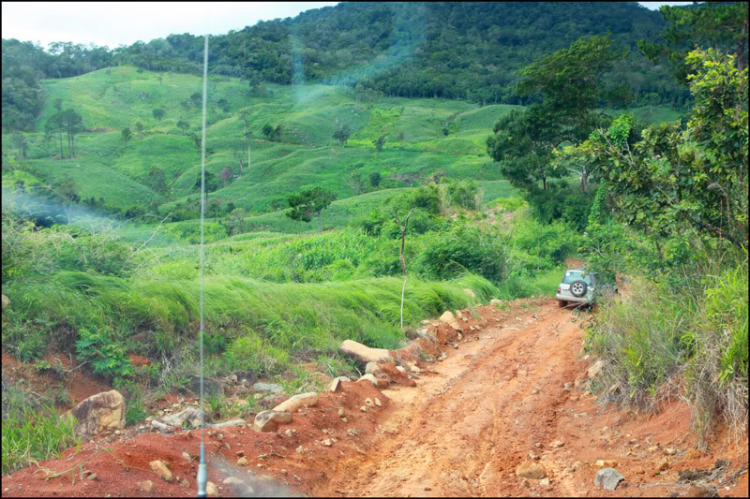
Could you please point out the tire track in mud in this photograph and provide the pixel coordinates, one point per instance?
(460, 432)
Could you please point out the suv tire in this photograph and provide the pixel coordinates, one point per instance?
(578, 288)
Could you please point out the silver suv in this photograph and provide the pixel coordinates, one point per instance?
(582, 288)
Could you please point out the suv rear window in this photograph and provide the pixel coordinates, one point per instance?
(574, 275)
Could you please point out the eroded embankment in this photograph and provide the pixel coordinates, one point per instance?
(511, 390)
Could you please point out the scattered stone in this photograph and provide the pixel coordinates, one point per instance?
(161, 469)
(363, 408)
(267, 387)
(443, 356)
(344, 420)
(670, 451)
(664, 464)
(557, 443)
(545, 482)
(300, 450)
(191, 416)
(242, 461)
(595, 369)
(233, 481)
(186, 456)
(450, 319)
(146, 485)
(372, 379)
(233, 422)
(401, 369)
(567, 385)
(608, 463)
(373, 368)
(653, 448)
(608, 478)
(294, 403)
(576, 466)
(455, 346)
(341, 412)
(327, 442)
(378, 402)
(352, 432)
(97, 413)
(365, 354)
(210, 386)
(533, 456)
(369, 402)
(529, 469)
(270, 420)
(212, 490)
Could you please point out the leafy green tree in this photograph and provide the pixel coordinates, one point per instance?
(126, 134)
(159, 113)
(268, 131)
(379, 143)
(375, 179)
(719, 25)
(72, 123)
(139, 126)
(210, 183)
(356, 181)
(236, 221)
(157, 180)
(342, 134)
(20, 143)
(678, 179)
(307, 204)
(183, 125)
(55, 124)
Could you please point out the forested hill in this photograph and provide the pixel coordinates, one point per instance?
(455, 50)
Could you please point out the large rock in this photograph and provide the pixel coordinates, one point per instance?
(336, 383)
(365, 354)
(450, 319)
(161, 469)
(268, 387)
(608, 478)
(270, 420)
(294, 403)
(210, 386)
(596, 369)
(231, 422)
(378, 382)
(97, 413)
(6, 301)
(530, 469)
(188, 417)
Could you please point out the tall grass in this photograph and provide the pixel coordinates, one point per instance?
(660, 333)
(31, 433)
(291, 317)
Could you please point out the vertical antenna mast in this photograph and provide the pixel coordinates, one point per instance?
(202, 471)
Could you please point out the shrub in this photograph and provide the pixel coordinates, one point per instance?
(105, 355)
(250, 353)
(465, 247)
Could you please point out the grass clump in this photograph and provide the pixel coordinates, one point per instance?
(661, 332)
(31, 432)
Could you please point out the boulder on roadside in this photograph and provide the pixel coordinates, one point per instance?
(191, 416)
(378, 382)
(161, 469)
(373, 368)
(268, 387)
(210, 386)
(530, 469)
(98, 412)
(294, 403)
(450, 319)
(336, 383)
(270, 420)
(595, 369)
(211, 489)
(364, 354)
(608, 478)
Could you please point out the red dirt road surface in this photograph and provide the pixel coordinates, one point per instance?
(513, 391)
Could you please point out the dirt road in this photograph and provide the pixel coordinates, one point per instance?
(507, 396)
(513, 391)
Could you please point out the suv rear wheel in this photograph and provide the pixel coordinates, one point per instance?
(578, 288)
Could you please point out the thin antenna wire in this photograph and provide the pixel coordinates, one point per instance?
(202, 472)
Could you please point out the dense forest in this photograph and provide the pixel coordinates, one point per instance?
(468, 51)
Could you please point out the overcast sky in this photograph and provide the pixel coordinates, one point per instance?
(116, 23)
